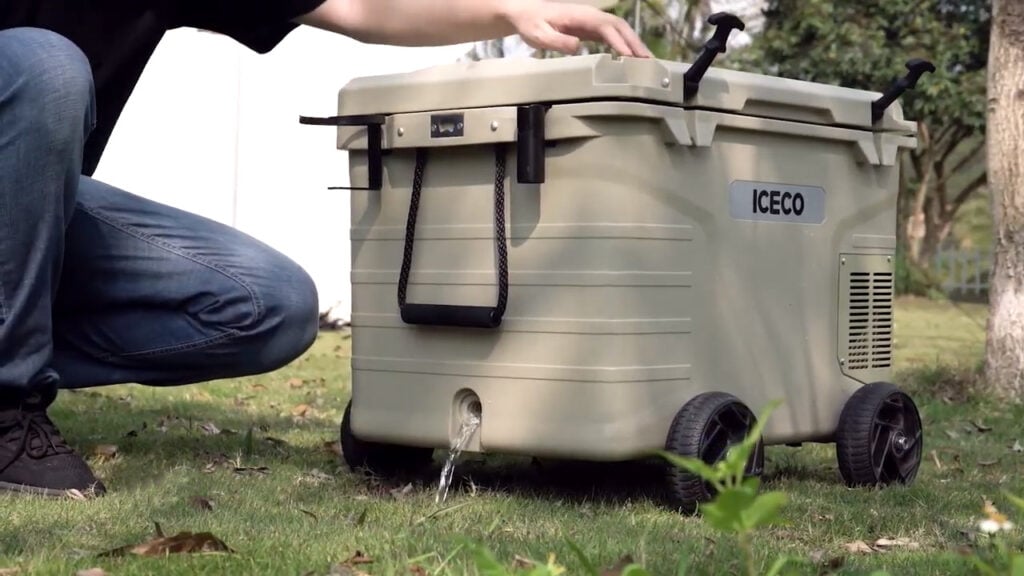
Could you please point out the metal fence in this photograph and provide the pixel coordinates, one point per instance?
(963, 273)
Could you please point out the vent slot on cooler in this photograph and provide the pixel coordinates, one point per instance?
(866, 337)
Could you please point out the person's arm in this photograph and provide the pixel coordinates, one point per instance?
(542, 24)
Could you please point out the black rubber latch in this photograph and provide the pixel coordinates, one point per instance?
(725, 23)
(530, 143)
(916, 68)
(374, 124)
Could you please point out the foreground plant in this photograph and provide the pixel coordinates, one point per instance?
(738, 506)
(997, 527)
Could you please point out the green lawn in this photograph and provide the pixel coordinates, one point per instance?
(284, 505)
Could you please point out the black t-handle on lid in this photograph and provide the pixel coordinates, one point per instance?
(916, 68)
(725, 23)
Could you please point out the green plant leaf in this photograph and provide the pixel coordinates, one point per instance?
(486, 562)
(764, 510)
(1018, 502)
(587, 564)
(694, 465)
(1017, 565)
(725, 512)
(777, 566)
(683, 566)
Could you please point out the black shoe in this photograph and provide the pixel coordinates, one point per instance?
(35, 459)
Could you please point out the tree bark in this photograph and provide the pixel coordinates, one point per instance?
(1004, 355)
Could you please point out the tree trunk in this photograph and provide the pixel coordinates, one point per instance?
(1004, 356)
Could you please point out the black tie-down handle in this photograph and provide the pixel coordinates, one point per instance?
(374, 124)
(725, 23)
(451, 314)
(916, 67)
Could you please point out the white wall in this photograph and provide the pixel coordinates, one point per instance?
(213, 128)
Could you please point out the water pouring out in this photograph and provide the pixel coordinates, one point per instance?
(470, 422)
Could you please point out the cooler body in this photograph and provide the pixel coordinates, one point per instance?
(659, 251)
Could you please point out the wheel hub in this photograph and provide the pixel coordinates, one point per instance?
(900, 443)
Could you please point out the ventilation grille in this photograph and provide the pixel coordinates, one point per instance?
(869, 320)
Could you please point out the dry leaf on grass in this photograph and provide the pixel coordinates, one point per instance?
(105, 451)
(91, 572)
(314, 476)
(300, 411)
(858, 547)
(522, 563)
(988, 462)
(201, 503)
(294, 383)
(251, 471)
(1017, 447)
(10, 571)
(981, 427)
(417, 570)
(880, 545)
(890, 543)
(210, 429)
(258, 387)
(180, 543)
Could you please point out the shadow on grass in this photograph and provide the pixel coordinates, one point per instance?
(584, 482)
(162, 434)
(158, 436)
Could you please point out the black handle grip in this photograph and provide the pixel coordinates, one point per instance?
(450, 315)
(916, 67)
(725, 23)
(374, 143)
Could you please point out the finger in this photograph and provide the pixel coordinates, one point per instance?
(614, 39)
(636, 44)
(551, 39)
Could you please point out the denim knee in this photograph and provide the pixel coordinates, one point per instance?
(290, 317)
(49, 78)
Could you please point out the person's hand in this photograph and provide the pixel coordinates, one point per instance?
(561, 27)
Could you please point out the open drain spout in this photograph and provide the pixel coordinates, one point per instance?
(468, 426)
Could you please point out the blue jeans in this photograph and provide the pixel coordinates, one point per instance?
(99, 286)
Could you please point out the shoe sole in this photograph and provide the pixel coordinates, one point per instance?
(37, 491)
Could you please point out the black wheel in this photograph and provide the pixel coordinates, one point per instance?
(879, 440)
(377, 457)
(705, 428)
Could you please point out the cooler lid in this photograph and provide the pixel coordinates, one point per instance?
(520, 81)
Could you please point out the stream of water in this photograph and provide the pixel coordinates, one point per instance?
(468, 426)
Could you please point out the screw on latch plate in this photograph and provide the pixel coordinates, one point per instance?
(401, 132)
(666, 82)
(494, 126)
(842, 361)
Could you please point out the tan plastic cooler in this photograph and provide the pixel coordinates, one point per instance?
(601, 263)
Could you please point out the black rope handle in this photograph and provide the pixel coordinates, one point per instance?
(448, 314)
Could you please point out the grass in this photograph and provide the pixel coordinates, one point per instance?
(284, 505)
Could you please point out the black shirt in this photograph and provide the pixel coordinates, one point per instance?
(119, 36)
